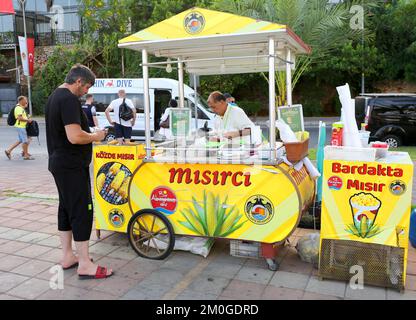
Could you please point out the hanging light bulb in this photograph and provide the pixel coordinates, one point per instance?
(169, 66)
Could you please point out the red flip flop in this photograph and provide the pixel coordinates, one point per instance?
(101, 273)
(75, 265)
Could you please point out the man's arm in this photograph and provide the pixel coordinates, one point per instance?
(94, 116)
(21, 119)
(244, 124)
(76, 135)
(107, 114)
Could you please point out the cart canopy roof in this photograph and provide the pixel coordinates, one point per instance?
(206, 34)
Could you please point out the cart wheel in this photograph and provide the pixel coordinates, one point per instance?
(273, 266)
(151, 234)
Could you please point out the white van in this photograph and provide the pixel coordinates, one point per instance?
(161, 90)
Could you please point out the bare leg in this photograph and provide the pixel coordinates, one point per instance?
(86, 267)
(14, 145)
(25, 147)
(29, 140)
(120, 141)
(68, 258)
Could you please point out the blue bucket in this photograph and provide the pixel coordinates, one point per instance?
(412, 232)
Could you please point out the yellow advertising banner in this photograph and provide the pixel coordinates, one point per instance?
(367, 202)
(255, 203)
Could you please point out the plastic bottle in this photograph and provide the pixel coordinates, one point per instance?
(336, 139)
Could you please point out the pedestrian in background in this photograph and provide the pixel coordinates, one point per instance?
(122, 128)
(22, 119)
(230, 99)
(90, 112)
(69, 142)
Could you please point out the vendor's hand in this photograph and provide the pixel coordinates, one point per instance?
(112, 123)
(228, 135)
(214, 139)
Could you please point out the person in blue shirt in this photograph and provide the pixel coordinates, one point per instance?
(230, 100)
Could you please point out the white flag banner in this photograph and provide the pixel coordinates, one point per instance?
(24, 55)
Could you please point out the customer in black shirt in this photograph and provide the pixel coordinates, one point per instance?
(69, 147)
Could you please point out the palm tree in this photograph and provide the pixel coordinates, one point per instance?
(323, 25)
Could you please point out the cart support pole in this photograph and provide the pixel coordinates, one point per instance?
(196, 101)
(181, 85)
(146, 103)
(288, 77)
(272, 98)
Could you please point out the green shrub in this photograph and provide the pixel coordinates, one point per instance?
(250, 107)
(312, 107)
(53, 73)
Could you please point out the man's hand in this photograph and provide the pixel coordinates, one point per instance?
(214, 139)
(231, 134)
(100, 135)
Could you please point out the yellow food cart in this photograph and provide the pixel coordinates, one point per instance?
(154, 192)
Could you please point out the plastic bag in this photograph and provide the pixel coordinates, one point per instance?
(308, 248)
(196, 245)
(286, 133)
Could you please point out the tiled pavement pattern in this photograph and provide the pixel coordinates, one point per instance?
(29, 247)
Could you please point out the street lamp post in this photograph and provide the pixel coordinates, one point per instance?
(22, 3)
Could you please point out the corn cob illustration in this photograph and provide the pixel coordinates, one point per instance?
(115, 168)
(211, 213)
(123, 191)
(193, 221)
(363, 226)
(100, 181)
(230, 220)
(212, 218)
(118, 180)
(112, 183)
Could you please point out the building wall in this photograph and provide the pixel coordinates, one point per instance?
(48, 21)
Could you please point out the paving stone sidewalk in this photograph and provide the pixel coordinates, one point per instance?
(29, 248)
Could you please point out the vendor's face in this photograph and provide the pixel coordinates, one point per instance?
(218, 107)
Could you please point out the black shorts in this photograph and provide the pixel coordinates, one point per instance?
(75, 212)
(122, 131)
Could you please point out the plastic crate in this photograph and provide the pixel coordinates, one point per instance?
(296, 151)
(245, 249)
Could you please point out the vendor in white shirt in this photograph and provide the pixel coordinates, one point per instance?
(230, 121)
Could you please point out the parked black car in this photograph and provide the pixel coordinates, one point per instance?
(390, 117)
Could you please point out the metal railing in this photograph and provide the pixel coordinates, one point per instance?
(44, 38)
(55, 38)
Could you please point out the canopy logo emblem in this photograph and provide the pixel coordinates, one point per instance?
(397, 187)
(194, 22)
(116, 218)
(259, 209)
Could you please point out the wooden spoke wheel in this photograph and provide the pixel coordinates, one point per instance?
(151, 234)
